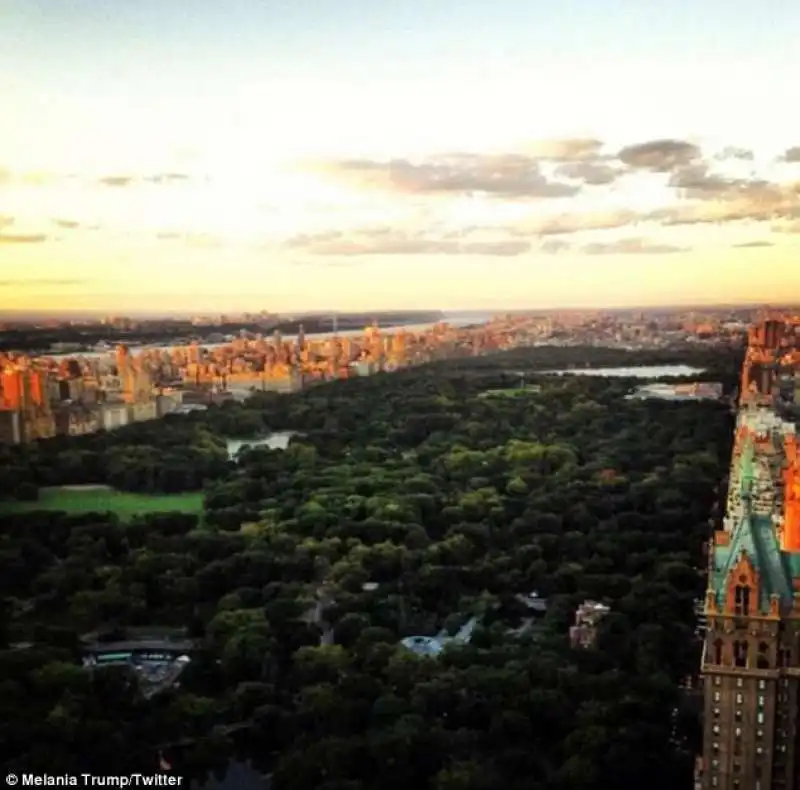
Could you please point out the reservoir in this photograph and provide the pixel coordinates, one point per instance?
(642, 372)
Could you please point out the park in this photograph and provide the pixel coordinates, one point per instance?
(404, 504)
(101, 498)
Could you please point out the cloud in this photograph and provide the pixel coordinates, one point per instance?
(732, 152)
(758, 243)
(22, 238)
(114, 180)
(554, 246)
(46, 281)
(712, 199)
(569, 150)
(203, 241)
(786, 227)
(313, 239)
(504, 175)
(563, 224)
(792, 154)
(117, 181)
(66, 224)
(698, 181)
(632, 246)
(591, 173)
(6, 221)
(168, 178)
(386, 241)
(661, 156)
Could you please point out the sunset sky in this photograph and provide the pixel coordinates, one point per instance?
(363, 154)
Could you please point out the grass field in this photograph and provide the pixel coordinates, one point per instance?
(101, 498)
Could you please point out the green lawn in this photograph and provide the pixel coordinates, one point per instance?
(124, 504)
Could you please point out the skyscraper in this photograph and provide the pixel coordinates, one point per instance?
(751, 655)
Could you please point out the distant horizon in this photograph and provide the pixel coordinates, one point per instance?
(316, 313)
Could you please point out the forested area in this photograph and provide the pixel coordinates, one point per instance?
(451, 504)
(184, 452)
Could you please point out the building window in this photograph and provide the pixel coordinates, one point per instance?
(717, 681)
(718, 651)
(737, 714)
(762, 684)
(761, 700)
(716, 696)
(739, 683)
(738, 732)
(715, 729)
(713, 781)
(739, 699)
(742, 600)
(760, 717)
(759, 733)
(740, 654)
(715, 747)
(716, 712)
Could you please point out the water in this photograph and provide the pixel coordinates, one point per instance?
(275, 441)
(641, 372)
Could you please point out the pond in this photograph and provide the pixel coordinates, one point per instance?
(279, 440)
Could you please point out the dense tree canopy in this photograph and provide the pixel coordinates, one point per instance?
(450, 503)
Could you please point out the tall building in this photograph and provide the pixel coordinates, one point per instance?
(25, 401)
(587, 617)
(751, 653)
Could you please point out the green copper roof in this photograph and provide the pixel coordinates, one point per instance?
(755, 535)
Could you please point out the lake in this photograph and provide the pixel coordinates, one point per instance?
(641, 372)
(275, 441)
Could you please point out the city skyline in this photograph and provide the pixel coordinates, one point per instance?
(330, 155)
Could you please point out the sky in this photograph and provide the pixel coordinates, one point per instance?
(214, 156)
